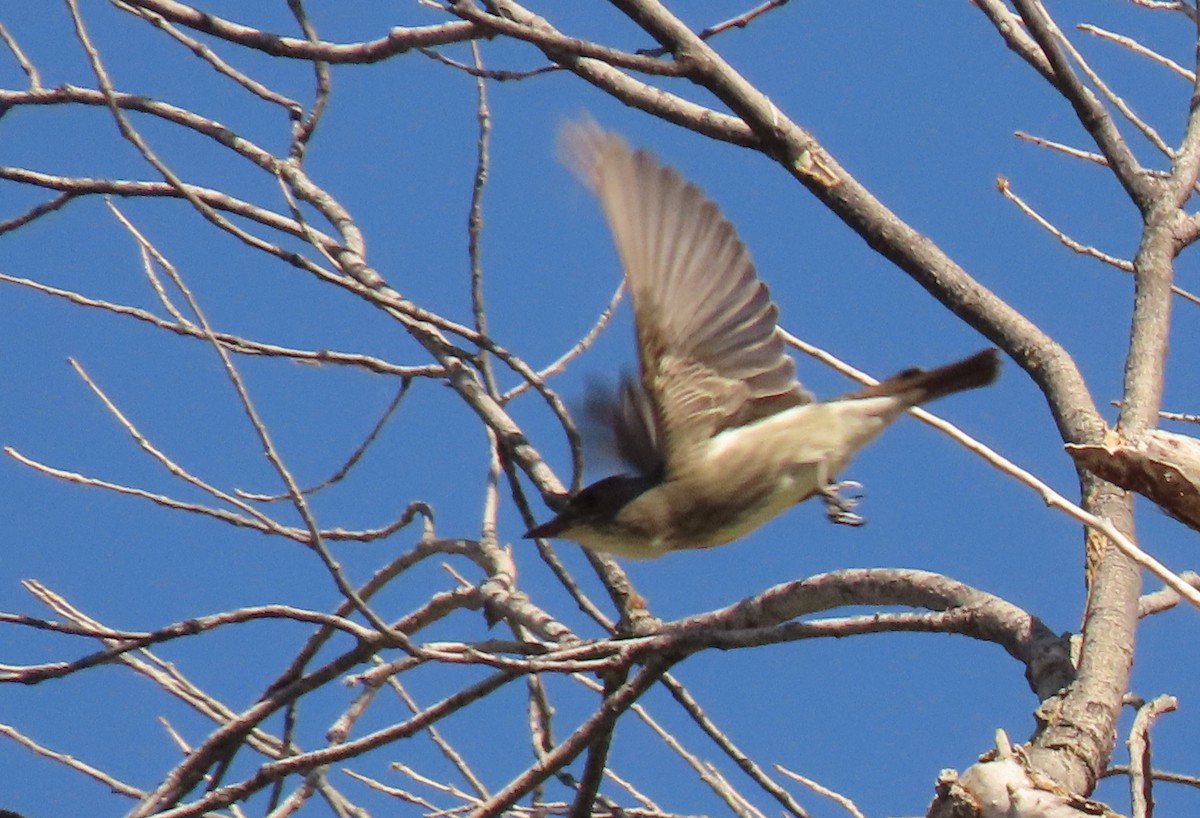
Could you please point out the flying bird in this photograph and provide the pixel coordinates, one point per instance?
(717, 432)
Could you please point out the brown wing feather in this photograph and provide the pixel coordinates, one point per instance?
(711, 354)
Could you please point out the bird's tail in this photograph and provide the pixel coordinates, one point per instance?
(917, 386)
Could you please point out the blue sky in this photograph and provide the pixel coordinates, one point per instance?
(918, 100)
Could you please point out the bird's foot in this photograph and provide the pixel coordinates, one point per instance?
(837, 507)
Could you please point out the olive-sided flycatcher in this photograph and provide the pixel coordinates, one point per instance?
(719, 434)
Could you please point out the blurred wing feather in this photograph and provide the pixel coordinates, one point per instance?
(710, 352)
(626, 420)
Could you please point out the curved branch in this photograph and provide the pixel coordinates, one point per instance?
(399, 40)
(979, 615)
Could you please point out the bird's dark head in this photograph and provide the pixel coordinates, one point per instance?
(593, 513)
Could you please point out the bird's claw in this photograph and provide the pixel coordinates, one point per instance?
(837, 507)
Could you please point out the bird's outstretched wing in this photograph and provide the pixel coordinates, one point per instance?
(710, 352)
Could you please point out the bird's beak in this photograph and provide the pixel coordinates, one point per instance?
(551, 528)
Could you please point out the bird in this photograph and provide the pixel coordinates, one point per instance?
(718, 434)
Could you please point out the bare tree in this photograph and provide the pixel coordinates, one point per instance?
(238, 159)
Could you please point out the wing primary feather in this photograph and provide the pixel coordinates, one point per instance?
(710, 353)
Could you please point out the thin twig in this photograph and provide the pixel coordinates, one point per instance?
(1005, 188)
(236, 343)
(1137, 48)
(720, 787)
(578, 347)
(757, 774)
(1117, 101)
(304, 127)
(479, 179)
(1158, 775)
(443, 745)
(842, 800)
(201, 50)
(1165, 598)
(70, 761)
(1089, 156)
(35, 78)
(170, 465)
(340, 473)
(1140, 780)
(499, 75)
